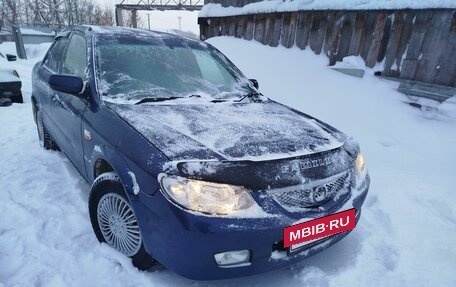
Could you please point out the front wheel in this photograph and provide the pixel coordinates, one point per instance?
(114, 221)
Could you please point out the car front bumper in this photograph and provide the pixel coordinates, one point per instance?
(186, 241)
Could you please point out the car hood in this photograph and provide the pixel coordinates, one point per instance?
(229, 131)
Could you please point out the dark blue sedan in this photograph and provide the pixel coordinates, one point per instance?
(190, 166)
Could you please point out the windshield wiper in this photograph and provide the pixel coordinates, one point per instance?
(253, 97)
(153, 100)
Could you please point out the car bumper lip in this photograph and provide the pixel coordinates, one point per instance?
(186, 242)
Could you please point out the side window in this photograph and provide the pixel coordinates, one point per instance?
(55, 56)
(75, 62)
(211, 70)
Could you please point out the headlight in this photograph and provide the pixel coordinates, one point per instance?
(360, 165)
(207, 197)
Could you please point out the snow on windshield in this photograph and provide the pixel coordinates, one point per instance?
(130, 69)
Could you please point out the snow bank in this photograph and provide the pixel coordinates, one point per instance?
(269, 6)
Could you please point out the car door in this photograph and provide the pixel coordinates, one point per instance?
(50, 65)
(68, 110)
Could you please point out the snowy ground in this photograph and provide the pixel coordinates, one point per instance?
(405, 237)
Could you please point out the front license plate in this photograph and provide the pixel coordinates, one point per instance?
(301, 234)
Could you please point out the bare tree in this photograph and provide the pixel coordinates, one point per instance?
(54, 13)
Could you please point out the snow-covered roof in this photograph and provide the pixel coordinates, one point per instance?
(37, 31)
(269, 6)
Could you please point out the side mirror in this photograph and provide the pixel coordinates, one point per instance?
(10, 57)
(66, 84)
(255, 83)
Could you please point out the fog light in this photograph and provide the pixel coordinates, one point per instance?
(233, 258)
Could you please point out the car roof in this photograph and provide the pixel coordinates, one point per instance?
(89, 30)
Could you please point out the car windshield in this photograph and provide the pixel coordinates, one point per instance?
(133, 68)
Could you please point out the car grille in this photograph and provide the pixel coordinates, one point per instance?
(312, 194)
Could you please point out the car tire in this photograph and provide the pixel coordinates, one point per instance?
(114, 221)
(17, 98)
(44, 137)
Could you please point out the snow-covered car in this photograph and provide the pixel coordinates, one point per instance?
(189, 165)
(10, 83)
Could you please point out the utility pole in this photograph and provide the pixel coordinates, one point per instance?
(180, 22)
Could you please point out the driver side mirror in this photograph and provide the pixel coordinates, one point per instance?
(10, 57)
(255, 83)
(66, 84)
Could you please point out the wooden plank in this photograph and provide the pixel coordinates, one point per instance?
(302, 29)
(372, 55)
(369, 33)
(288, 29)
(240, 30)
(285, 31)
(276, 30)
(426, 90)
(203, 28)
(249, 28)
(232, 26)
(317, 31)
(346, 33)
(446, 74)
(405, 38)
(393, 44)
(269, 28)
(292, 30)
(331, 30)
(260, 23)
(359, 33)
(386, 36)
(332, 37)
(410, 62)
(210, 28)
(434, 44)
(215, 24)
(224, 26)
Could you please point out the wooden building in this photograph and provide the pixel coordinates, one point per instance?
(413, 44)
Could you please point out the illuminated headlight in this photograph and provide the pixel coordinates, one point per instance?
(360, 165)
(205, 196)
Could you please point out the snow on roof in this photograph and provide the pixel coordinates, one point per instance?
(269, 6)
(36, 31)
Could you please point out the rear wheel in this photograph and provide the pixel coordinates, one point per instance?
(114, 221)
(17, 98)
(46, 141)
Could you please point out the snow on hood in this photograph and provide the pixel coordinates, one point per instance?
(227, 131)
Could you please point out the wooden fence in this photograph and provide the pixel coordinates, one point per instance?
(413, 44)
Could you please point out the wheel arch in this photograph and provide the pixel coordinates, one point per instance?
(106, 159)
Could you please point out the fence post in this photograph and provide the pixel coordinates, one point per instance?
(17, 36)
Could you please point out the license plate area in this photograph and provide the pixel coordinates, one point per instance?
(309, 233)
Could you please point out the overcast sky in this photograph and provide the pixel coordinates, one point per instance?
(162, 20)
